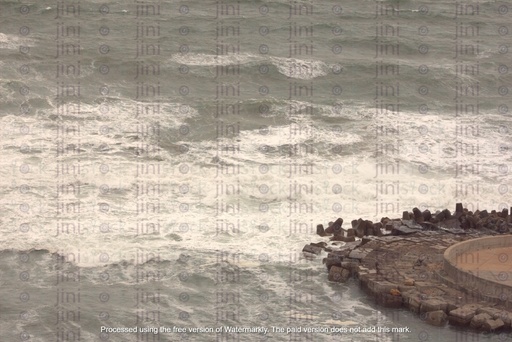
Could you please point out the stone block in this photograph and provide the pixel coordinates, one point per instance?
(461, 316)
(380, 286)
(492, 325)
(338, 274)
(433, 304)
(437, 318)
(320, 230)
(505, 316)
(388, 300)
(312, 249)
(478, 320)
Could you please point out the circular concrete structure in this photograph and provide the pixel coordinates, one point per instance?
(482, 265)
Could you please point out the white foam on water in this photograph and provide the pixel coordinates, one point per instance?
(300, 68)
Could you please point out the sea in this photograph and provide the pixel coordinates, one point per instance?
(163, 163)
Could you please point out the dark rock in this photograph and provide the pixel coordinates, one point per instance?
(352, 266)
(418, 216)
(360, 227)
(483, 214)
(330, 229)
(459, 208)
(312, 249)
(368, 227)
(388, 300)
(447, 214)
(403, 230)
(365, 240)
(494, 313)
(377, 229)
(351, 232)
(330, 262)
(320, 230)
(437, 318)
(411, 224)
(478, 320)
(464, 223)
(451, 223)
(433, 304)
(472, 221)
(319, 244)
(439, 216)
(336, 226)
(503, 228)
(462, 316)
(338, 274)
(359, 253)
(492, 325)
(336, 255)
(429, 226)
(504, 213)
(427, 216)
(406, 216)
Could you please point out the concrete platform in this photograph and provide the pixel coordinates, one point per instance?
(483, 265)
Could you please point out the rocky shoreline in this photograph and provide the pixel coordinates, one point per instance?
(399, 262)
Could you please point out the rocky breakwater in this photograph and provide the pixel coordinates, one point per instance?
(399, 262)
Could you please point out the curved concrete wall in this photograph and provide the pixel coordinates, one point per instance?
(467, 252)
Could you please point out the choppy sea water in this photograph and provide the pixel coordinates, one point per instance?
(163, 163)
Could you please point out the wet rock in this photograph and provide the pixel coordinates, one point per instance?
(429, 226)
(330, 262)
(478, 320)
(492, 325)
(437, 318)
(494, 313)
(403, 230)
(461, 316)
(388, 300)
(381, 286)
(414, 303)
(352, 266)
(359, 253)
(411, 224)
(311, 249)
(338, 274)
(433, 304)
